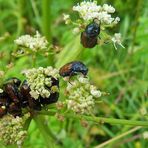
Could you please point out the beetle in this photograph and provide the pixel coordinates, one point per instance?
(14, 81)
(15, 109)
(89, 36)
(27, 100)
(11, 88)
(12, 92)
(73, 68)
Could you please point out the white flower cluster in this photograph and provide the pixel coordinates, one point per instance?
(12, 131)
(81, 95)
(89, 10)
(37, 42)
(117, 40)
(39, 79)
(66, 18)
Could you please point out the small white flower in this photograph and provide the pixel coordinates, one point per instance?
(105, 17)
(116, 21)
(34, 43)
(1, 91)
(145, 135)
(76, 30)
(83, 80)
(117, 40)
(66, 18)
(96, 93)
(108, 8)
(143, 111)
(34, 94)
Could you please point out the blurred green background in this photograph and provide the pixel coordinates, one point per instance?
(123, 72)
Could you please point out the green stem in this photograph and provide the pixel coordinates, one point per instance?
(102, 120)
(46, 25)
(137, 16)
(36, 12)
(19, 15)
(117, 137)
(40, 122)
(27, 123)
(33, 60)
(46, 19)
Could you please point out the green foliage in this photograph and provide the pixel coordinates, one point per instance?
(122, 73)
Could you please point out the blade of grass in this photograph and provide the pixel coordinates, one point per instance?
(118, 137)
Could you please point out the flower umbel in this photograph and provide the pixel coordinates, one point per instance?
(40, 80)
(81, 95)
(36, 42)
(90, 12)
(12, 131)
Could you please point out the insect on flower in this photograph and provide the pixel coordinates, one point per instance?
(89, 36)
(27, 100)
(14, 81)
(73, 68)
(11, 89)
(4, 102)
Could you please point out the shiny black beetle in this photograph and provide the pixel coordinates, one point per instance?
(73, 68)
(89, 36)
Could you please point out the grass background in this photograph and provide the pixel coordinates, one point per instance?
(123, 72)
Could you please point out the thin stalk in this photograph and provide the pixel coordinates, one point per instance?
(46, 25)
(102, 120)
(27, 123)
(36, 12)
(46, 19)
(33, 60)
(137, 16)
(118, 137)
(40, 122)
(19, 15)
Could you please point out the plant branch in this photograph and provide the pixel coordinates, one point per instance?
(100, 120)
(46, 19)
(40, 122)
(118, 137)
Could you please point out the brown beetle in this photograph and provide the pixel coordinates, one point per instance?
(4, 102)
(73, 68)
(11, 88)
(14, 81)
(89, 36)
(27, 100)
(12, 92)
(15, 109)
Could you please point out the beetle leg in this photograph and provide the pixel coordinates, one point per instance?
(69, 80)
